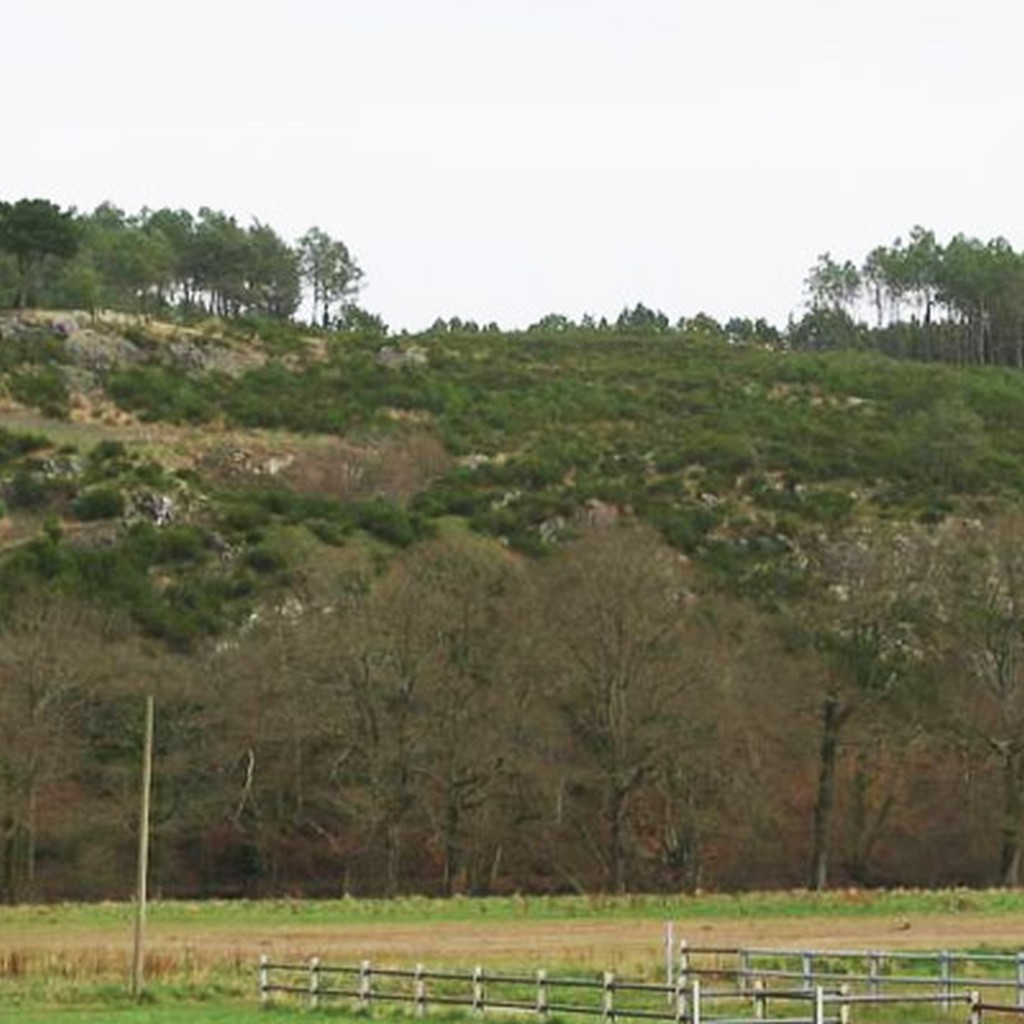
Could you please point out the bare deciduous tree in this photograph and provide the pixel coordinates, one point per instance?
(985, 637)
(867, 617)
(614, 606)
(50, 648)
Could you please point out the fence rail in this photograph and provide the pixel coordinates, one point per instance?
(704, 985)
(480, 991)
(745, 964)
(870, 977)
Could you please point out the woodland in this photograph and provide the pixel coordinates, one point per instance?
(590, 606)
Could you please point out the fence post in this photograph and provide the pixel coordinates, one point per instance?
(873, 964)
(264, 979)
(819, 1005)
(844, 1006)
(542, 994)
(760, 999)
(808, 970)
(478, 990)
(1020, 978)
(684, 962)
(420, 991)
(670, 953)
(365, 990)
(680, 998)
(608, 1002)
(744, 970)
(974, 1001)
(314, 982)
(945, 974)
(695, 1011)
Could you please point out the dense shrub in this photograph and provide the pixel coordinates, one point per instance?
(684, 527)
(99, 503)
(157, 393)
(44, 388)
(390, 522)
(32, 347)
(29, 489)
(14, 445)
(180, 544)
(264, 559)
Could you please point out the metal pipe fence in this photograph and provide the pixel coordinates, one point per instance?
(868, 977)
(873, 970)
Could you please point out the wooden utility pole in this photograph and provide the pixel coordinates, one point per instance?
(143, 862)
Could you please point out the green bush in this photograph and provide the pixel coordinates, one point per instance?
(43, 388)
(151, 473)
(99, 503)
(14, 446)
(37, 347)
(819, 505)
(180, 544)
(684, 527)
(29, 490)
(330, 532)
(461, 492)
(157, 393)
(138, 335)
(265, 560)
(106, 450)
(390, 522)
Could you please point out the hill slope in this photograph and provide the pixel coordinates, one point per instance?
(551, 610)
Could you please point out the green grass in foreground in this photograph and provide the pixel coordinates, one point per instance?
(225, 993)
(194, 1013)
(200, 1013)
(197, 1013)
(797, 903)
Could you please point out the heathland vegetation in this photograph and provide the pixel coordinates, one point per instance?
(631, 605)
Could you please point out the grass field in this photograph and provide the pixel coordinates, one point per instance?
(253, 913)
(180, 1013)
(69, 962)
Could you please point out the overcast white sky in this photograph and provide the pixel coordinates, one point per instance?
(501, 159)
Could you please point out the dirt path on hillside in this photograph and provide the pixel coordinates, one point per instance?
(629, 945)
